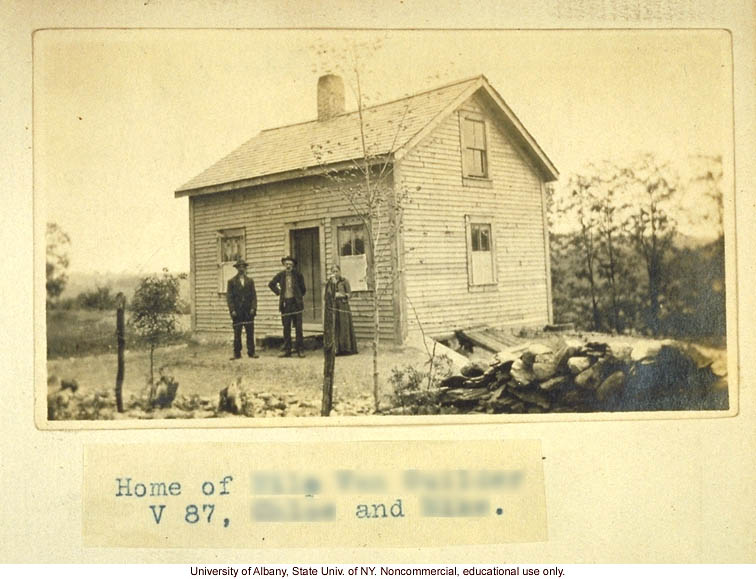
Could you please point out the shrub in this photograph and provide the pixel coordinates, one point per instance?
(417, 391)
(154, 309)
(100, 298)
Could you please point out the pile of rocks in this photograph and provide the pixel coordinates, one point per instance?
(241, 398)
(238, 398)
(577, 376)
(181, 407)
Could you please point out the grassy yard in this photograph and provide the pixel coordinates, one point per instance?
(84, 332)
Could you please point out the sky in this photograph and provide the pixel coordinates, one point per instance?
(122, 118)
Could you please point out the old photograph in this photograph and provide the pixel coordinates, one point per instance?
(389, 225)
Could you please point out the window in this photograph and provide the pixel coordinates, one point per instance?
(352, 258)
(481, 237)
(474, 158)
(481, 258)
(231, 247)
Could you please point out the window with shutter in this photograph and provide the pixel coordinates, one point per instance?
(474, 150)
(352, 258)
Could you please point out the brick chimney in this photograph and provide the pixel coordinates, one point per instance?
(330, 96)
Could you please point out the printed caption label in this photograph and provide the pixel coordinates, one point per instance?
(313, 494)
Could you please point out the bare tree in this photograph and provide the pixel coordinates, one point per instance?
(371, 192)
(610, 207)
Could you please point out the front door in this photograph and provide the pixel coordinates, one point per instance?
(305, 247)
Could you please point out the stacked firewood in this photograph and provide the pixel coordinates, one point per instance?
(586, 377)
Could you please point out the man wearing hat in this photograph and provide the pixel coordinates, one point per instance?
(242, 305)
(289, 285)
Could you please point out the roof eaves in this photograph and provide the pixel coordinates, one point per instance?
(294, 174)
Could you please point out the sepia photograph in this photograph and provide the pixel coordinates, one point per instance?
(386, 288)
(271, 226)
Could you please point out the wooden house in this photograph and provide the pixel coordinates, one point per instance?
(470, 247)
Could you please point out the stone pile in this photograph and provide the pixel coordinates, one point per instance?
(576, 376)
(240, 398)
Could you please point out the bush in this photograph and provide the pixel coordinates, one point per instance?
(417, 391)
(154, 312)
(100, 298)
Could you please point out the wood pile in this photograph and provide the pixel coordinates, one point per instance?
(586, 377)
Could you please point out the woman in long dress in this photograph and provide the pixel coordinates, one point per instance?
(339, 292)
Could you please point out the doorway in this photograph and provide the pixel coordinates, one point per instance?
(305, 248)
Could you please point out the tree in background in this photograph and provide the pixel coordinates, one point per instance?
(618, 280)
(57, 246)
(652, 186)
(697, 292)
(155, 308)
(704, 186)
(619, 259)
(579, 206)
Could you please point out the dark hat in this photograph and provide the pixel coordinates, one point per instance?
(288, 258)
(239, 263)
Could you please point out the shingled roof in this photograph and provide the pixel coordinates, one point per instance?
(391, 129)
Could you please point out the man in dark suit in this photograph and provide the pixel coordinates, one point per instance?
(242, 305)
(289, 285)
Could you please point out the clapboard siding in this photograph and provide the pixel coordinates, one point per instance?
(264, 212)
(435, 243)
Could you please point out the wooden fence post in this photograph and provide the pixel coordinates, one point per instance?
(121, 341)
(329, 351)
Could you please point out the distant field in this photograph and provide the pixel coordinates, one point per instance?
(75, 333)
(79, 282)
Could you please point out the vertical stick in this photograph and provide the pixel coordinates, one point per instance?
(121, 341)
(152, 373)
(329, 351)
(330, 359)
(376, 337)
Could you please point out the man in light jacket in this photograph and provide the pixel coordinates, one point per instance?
(289, 285)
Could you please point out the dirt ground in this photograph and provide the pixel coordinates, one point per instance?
(204, 370)
(293, 384)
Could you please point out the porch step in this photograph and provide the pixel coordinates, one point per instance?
(490, 339)
(312, 340)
